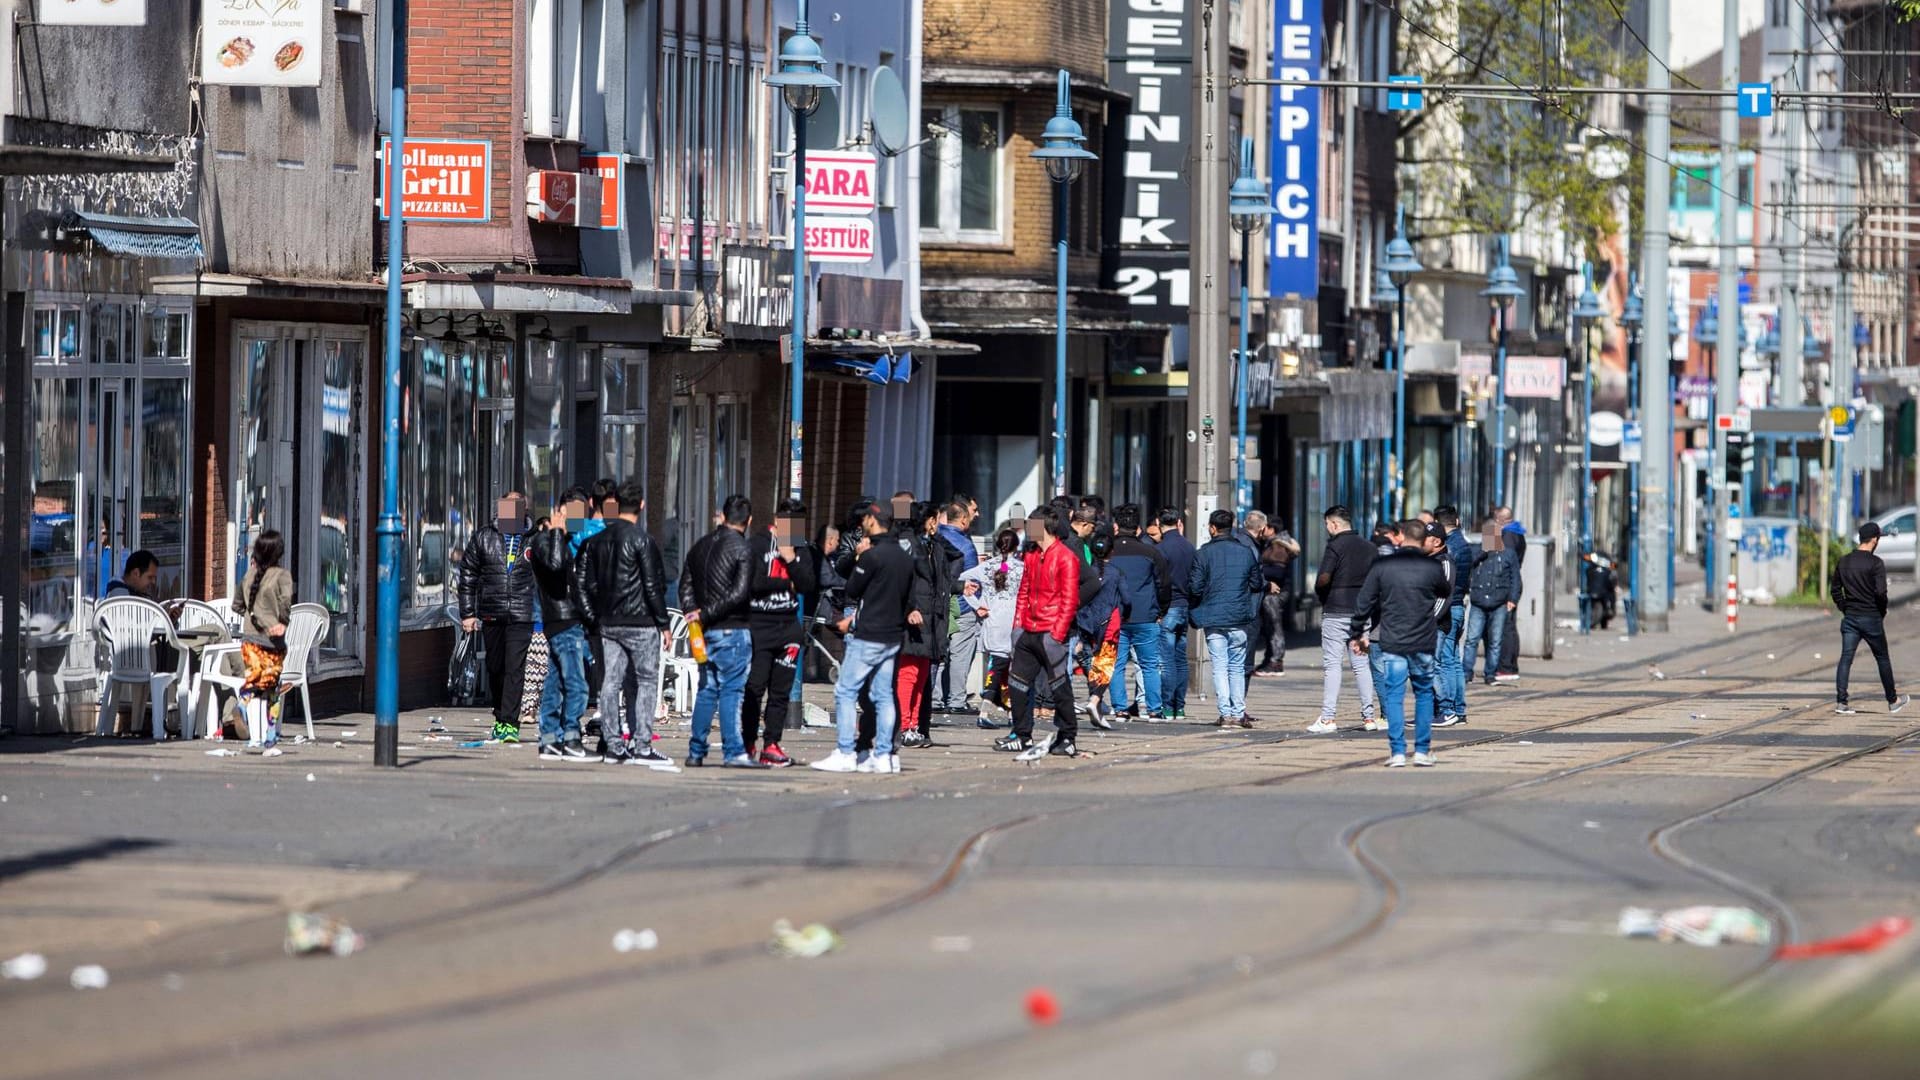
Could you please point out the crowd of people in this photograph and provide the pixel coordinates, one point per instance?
(1073, 611)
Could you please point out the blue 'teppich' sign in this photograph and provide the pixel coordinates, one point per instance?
(1293, 241)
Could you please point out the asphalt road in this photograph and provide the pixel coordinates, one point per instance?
(1198, 903)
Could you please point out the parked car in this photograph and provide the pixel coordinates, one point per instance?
(1896, 539)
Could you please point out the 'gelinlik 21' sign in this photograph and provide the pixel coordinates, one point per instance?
(1293, 240)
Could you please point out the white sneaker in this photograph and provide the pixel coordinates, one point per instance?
(1322, 727)
(839, 761)
(1397, 761)
(1374, 725)
(879, 763)
(1424, 761)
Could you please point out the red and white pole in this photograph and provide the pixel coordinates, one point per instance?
(1733, 603)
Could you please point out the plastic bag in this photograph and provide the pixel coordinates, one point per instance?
(1702, 925)
(467, 672)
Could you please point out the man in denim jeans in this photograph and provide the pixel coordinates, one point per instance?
(563, 699)
(620, 585)
(881, 588)
(720, 569)
(1404, 593)
(1452, 693)
(1170, 539)
(1226, 585)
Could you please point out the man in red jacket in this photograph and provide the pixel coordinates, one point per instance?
(1042, 621)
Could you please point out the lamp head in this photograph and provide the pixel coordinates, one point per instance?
(1384, 291)
(802, 69)
(1635, 313)
(1588, 307)
(1248, 201)
(1399, 262)
(1062, 147)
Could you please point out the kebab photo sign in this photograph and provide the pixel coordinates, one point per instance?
(261, 42)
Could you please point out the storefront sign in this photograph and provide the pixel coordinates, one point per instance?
(261, 42)
(1293, 240)
(840, 182)
(446, 180)
(839, 240)
(1156, 39)
(93, 12)
(1534, 376)
(608, 171)
(553, 197)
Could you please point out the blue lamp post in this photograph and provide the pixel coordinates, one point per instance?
(1588, 312)
(1384, 292)
(391, 529)
(800, 80)
(1249, 205)
(1400, 266)
(1706, 331)
(1633, 318)
(1063, 152)
(1502, 292)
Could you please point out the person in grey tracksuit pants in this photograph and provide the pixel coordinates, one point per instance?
(1343, 569)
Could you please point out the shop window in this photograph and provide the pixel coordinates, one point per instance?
(961, 174)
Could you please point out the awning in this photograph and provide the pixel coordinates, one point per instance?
(871, 347)
(140, 238)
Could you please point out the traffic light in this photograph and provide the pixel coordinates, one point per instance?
(1737, 450)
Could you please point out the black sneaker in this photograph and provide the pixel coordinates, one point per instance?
(1843, 709)
(652, 759)
(914, 739)
(745, 761)
(550, 751)
(695, 762)
(1013, 743)
(573, 750)
(1063, 748)
(613, 753)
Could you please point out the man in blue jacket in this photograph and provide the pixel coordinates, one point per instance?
(1226, 585)
(963, 645)
(1173, 545)
(1149, 590)
(1451, 690)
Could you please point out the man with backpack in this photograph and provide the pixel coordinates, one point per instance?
(1493, 592)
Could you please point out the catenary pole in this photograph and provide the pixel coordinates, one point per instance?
(1727, 355)
(1655, 539)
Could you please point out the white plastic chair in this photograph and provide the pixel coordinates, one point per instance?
(306, 625)
(200, 698)
(128, 628)
(678, 656)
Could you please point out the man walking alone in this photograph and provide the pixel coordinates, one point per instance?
(1343, 569)
(1859, 587)
(1403, 594)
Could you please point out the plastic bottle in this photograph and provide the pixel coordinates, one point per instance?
(696, 641)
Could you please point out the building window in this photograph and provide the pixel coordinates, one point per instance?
(707, 444)
(1083, 233)
(962, 175)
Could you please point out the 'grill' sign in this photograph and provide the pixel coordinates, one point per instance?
(445, 180)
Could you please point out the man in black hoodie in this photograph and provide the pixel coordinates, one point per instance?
(783, 572)
(1859, 587)
(1343, 569)
(496, 591)
(880, 586)
(1404, 594)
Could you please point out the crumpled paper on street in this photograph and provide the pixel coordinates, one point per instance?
(811, 940)
(1701, 925)
(308, 934)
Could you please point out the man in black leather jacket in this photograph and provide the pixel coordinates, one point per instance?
(720, 570)
(620, 584)
(496, 599)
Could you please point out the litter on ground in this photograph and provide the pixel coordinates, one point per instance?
(811, 940)
(308, 934)
(1701, 925)
(223, 752)
(88, 977)
(953, 944)
(636, 941)
(25, 967)
(1866, 939)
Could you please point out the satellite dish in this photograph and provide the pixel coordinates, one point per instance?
(887, 109)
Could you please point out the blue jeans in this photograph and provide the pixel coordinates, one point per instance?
(1398, 671)
(1143, 641)
(723, 685)
(864, 660)
(1227, 654)
(1450, 693)
(1174, 671)
(1494, 625)
(563, 698)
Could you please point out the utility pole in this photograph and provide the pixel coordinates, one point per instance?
(1727, 356)
(1656, 351)
(1793, 262)
(1840, 356)
(1209, 177)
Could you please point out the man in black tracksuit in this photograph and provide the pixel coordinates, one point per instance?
(1859, 587)
(782, 574)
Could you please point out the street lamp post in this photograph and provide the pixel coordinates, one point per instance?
(800, 80)
(1385, 293)
(1502, 291)
(391, 529)
(1400, 266)
(1633, 318)
(1249, 206)
(1707, 333)
(1587, 312)
(1063, 151)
